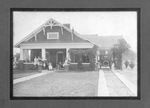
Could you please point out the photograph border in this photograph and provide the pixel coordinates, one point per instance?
(138, 10)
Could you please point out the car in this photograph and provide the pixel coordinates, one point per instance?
(106, 60)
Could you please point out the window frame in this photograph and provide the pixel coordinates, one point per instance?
(86, 59)
(52, 33)
(75, 58)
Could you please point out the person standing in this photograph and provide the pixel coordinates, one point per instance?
(35, 62)
(50, 66)
(126, 63)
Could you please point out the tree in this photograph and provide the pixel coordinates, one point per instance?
(121, 47)
(130, 56)
(131, 65)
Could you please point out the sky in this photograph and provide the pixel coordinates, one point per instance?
(119, 23)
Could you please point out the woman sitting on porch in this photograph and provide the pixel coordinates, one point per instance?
(35, 62)
(50, 66)
(59, 65)
(66, 63)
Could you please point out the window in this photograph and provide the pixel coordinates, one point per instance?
(75, 58)
(53, 35)
(85, 59)
(72, 58)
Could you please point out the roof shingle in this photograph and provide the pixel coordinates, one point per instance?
(103, 41)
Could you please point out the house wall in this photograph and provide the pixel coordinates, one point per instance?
(32, 39)
(39, 40)
(85, 67)
(64, 36)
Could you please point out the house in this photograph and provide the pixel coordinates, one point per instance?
(106, 44)
(53, 40)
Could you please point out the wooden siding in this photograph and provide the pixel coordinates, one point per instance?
(65, 37)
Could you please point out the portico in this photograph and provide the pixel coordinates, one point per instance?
(49, 51)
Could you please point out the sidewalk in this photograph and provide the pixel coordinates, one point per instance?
(112, 83)
(102, 86)
(128, 83)
(130, 75)
(18, 80)
(129, 78)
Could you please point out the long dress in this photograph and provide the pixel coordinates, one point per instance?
(50, 66)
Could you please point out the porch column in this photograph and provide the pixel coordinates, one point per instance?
(67, 53)
(98, 55)
(29, 54)
(98, 58)
(21, 54)
(43, 54)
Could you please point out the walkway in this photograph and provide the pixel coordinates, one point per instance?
(102, 86)
(129, 85)
(112, 83)
(18, 80)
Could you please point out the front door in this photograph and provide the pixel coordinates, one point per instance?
(60, 57)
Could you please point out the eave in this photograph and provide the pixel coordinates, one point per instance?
(47, 24)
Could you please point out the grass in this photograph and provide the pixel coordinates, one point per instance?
(23, 73)
(60, 84)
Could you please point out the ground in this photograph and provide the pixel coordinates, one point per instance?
(20, 73)
(115, 86)
(60, 84)
(72, 83)
(130, 74)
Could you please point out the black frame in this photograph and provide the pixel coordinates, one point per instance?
(138, 10)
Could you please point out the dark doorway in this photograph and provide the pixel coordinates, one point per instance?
(55, 55)
(35, 53)
(60, 57)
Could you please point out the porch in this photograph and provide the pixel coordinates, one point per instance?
(54, 56)
(53, 53)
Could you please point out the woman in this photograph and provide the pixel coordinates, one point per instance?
(35, 62)
(50, 66)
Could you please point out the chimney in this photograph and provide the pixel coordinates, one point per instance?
(67, 25)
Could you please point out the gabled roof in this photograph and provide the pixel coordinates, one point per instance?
(41, 28)
(109, 41)
(93, 38)
(100, 41)
(103, 41)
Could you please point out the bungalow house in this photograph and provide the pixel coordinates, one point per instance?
(106, 44)
(53, 40)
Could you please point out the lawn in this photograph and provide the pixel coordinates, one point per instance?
(131, 75)
(60, 84)
(23, 73)
(115, 86)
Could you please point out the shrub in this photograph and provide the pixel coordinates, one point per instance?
(131, 65)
